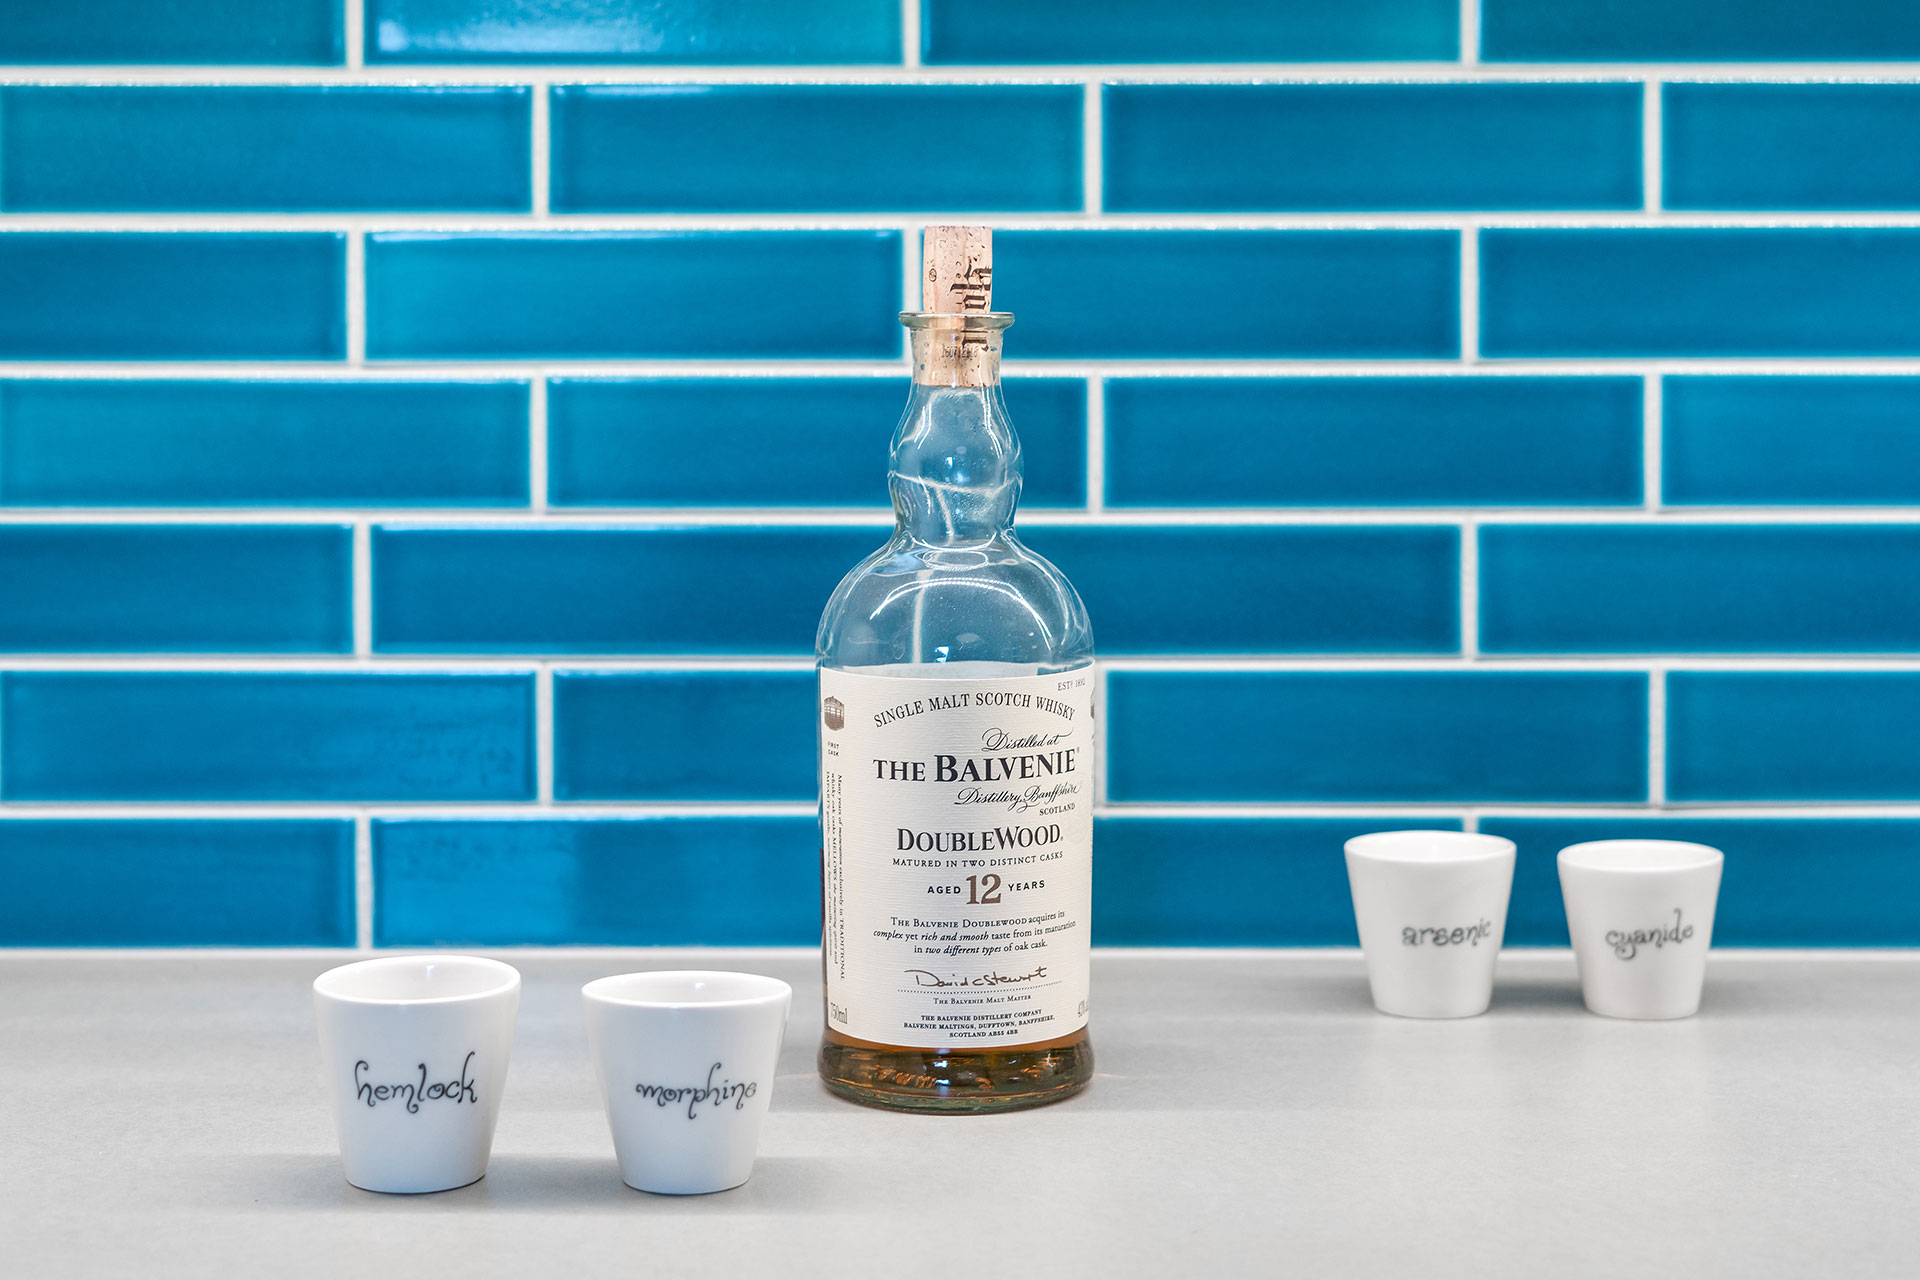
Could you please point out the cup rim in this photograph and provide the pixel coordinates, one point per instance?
(1680, 855)
(1464, 847)
(325, 986)
(600, 990)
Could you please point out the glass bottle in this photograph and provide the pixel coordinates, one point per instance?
(956, 771)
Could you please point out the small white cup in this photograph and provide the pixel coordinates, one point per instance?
(1432, 909)
(686, 1063)
(415, 1052)
(1641, 916)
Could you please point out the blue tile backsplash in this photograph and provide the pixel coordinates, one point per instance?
(101, 295)
(648, 293)
(1792, 146)
(130, 442)
(242, 149)
(217, 32)
(430, 429)
(701, 32)
(978, 32)
(834, 148)
(1202, 148)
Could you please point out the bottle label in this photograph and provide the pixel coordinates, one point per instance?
(956, 824)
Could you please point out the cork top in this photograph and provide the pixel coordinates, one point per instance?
(957, 297)
(958, 273)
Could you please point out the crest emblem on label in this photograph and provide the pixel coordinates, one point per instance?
(834, 712)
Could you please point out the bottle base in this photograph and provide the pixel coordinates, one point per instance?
(931, 1080)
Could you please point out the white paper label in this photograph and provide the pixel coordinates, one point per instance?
(956, 824)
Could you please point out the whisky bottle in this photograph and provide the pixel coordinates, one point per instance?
(956, 755)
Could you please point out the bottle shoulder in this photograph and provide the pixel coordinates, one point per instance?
(992, 601)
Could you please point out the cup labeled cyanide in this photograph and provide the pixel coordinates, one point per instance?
(1640, 913)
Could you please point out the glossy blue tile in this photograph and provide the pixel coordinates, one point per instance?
(1219, 294)
(1788, 882)
(1332, 442)
(1777, 735)
(641, 882)
(1693, 588)
(289, 148)
(1699, 30)
(776, 442)
(176, 883)
(1263, 589)
(285, 736)
(1198, 148)
(172, 296)
(1791, 146)
(189, 443)
(740, 148)
(759, 590)
(684, 735)
(643, 293)
(221, 32)
(725, 589)
(1226, 882)
(990, 31)
(1774, 441)
(1700, 291)
(1393, 736)
(176, 588)
(685, 31)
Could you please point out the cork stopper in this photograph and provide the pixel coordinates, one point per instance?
(957, 280)
(959, 269)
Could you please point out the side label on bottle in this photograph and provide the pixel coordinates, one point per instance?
(956, 824)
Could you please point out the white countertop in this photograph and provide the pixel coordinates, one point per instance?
(161, 1115)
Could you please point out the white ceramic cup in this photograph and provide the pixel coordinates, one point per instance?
(415, 1053)
(1432, 909)
(1641, 916)
(686, 1063)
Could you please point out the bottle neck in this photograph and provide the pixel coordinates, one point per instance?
(955, 473)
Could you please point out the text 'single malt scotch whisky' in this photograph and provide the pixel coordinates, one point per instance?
(956, 755)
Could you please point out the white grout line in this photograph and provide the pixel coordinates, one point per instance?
(529, 812)
(1465, 71)
(1470, 820)
(1469, 32)
(543, 733)
(1470, 294)
(1167, 664)
(1652, 450)
(1656, 737)
(537, 466)
(362, 882)
(910, 33)
(356, 27)
(1469, 590)
(542, 151)
(468, 371)
(362, 589)
(655, 519)
(1096, 445)
(1092, 148)
(1652, 145)
(1075, 220)
(356, 300)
